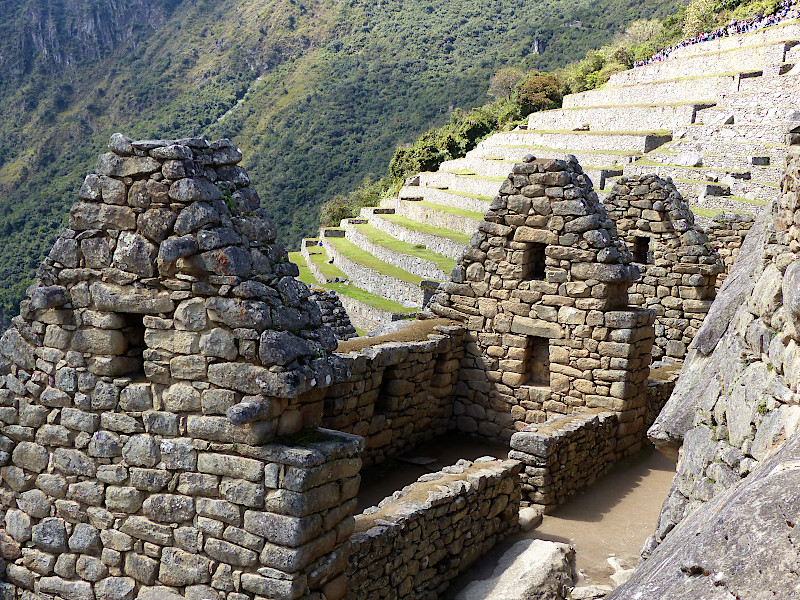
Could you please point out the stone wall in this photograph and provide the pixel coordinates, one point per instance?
(568, 453)
(542, 290)
(678, 265)
(564, 455)
(726, 233)
(415, 542)
(399, 393)
(677, 90)
(631, 118)
(333, 313)
(164, 346)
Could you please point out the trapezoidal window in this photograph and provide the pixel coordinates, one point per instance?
(133, 361)
(538, 361)
(641, 249)
(534, 262)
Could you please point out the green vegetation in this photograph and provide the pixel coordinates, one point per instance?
(376, 236)
(459, 212)
(317, 93)
(348, 249)
(343, 288)
(427, 229)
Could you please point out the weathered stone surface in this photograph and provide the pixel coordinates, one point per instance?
(731, 545)
(530, 569)
(179, 568)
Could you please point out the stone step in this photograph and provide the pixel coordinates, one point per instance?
(444, 217)
(475, 185)
(366, 311)
(771, 175)
(713, 62)
(395, 252)
(699, 88)
(515, 154)
(448, 197)
(374, 275)
(772, 133)
(442, 241)
(585, 140)
(788, 30)
(761, 115)
(627, 117)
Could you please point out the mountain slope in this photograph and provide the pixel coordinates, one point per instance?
(316, 93)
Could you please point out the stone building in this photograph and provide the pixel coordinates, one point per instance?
(678, 265)
(543, 292)
(165, 345)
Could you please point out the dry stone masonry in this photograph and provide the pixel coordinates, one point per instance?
(543, 291)
(416, 541)
(333, 313)
(677, 263)
(399, 394)
(165, 346)
(734, 415)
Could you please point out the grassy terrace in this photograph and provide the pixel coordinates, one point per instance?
(348, 249)
(563, 151)
(319, 258)
(345, 289)
(383, 239)
(470, 195)
(407, 223)
(712, 212)
(459, 212)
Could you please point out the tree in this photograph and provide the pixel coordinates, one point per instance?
(504, 81)
(701, 15)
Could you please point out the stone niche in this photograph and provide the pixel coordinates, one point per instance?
(543, 291)
(679, 266)
(164, 347)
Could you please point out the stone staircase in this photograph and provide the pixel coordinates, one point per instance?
(720, 135)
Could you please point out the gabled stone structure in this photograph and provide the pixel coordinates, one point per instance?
(678, 264)
(543, 291)
(165, 345)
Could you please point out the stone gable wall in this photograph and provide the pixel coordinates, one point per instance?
(166, 344)
(543, 292)
(678, 264)
(726, 232)
(415, 542)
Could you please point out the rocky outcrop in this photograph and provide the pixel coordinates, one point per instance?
(742, 544)
(726, 527)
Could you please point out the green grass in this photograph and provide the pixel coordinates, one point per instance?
(658, 132)
(385, 240)
(348, 249)
(748, 201)
(484, 177)
(407, 223)
(320, 259)
(470, 195)
(345, 289)
(711, 212)
(459, 212)
(305, 273)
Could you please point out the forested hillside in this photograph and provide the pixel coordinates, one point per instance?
(316, 93)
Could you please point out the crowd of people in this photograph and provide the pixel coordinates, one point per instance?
(787, 10)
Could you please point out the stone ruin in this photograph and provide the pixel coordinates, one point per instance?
(165, 344)
(543, 290)
(166, 389)
(678, 264)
